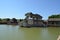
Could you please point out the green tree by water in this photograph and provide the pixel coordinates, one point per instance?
(0, 19)
(20, 20)
(14, 19)
(7, 19)
(54, 16)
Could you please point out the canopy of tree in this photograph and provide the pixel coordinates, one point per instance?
(54, 16)
(14, 19)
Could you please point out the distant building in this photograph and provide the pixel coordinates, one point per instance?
(54, 22)
(32, 20)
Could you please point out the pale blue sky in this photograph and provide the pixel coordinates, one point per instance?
(18, 8)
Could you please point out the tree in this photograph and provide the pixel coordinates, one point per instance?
(21, 20)
(14, 20)
(0, 19)
(7, 19)
(54, 16)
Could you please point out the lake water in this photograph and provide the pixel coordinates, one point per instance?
(11, 32)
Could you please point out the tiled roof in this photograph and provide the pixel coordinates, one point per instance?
(54, 19)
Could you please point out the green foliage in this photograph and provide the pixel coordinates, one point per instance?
(7, 19)
(14, 19)
(21, 20)
(0, 19)
(54, 16)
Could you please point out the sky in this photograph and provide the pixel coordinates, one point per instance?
(18, 8)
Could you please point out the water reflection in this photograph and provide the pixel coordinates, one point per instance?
(31, 33)
(39, 33)
(9, 32)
